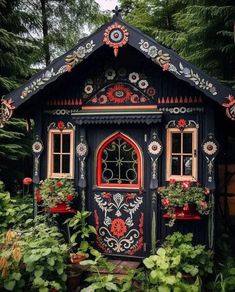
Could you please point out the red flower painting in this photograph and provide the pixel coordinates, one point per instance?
(119, 93)
(118, 227)
(60, 125)
(182, 123)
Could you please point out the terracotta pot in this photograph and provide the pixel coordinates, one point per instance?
(76, 258)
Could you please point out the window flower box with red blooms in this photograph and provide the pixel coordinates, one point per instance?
(57, 194)
(184, 200)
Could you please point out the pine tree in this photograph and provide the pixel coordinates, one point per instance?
(199, 31)
(15, 61)
(56, 26)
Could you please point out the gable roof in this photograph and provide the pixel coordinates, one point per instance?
(116, 34)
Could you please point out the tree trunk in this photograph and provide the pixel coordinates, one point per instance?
(45, 32)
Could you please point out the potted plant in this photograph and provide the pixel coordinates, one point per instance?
(184, 200)
(57, 194)
(82, 231)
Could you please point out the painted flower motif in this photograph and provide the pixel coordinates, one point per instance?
(94, 100)
(60, 125)
(134, 98)
(81, 52)
(110, 74)
(143, 99)
(103, 99)
(152, 51)
(89, 46)
(181, 123)
(37, 147)
(118, 93)
(154, 147)
(118, 227)
(143, 84)
(151, 91)
(144, 46)
(210, 148)
(166, 67)
(81, 149)
(186, 72)
(88, 89)
(122, 72)
(134, 77)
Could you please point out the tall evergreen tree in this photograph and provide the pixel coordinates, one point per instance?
(15, 59)
(57, 25)
(200, 31)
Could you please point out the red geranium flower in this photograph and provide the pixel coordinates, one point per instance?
(118, 227)
(165, 67)
(203, 205)
(185, 184)
(59, 184)
(60, 125)
(165, 202)
(181, 123)
(52, 189)
(38, 196)
(69, 197)
(207, 191)
(172, 181)
(27, 181)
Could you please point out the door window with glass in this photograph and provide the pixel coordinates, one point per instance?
(119, 163)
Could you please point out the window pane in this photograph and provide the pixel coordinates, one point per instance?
(56, 143)
(176, 138)
(187, 144)
(65, 143)
(175, 165)
(119, 163)
(187, 164)
(56, 163)
(65, 163)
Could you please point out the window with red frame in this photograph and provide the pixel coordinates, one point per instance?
(119, 163)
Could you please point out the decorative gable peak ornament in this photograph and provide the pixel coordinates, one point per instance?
(116, 36)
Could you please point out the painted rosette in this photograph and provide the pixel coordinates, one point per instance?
(116, 36)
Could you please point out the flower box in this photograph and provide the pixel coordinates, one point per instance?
(187, 212)
(61, 208)
(184, 201)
